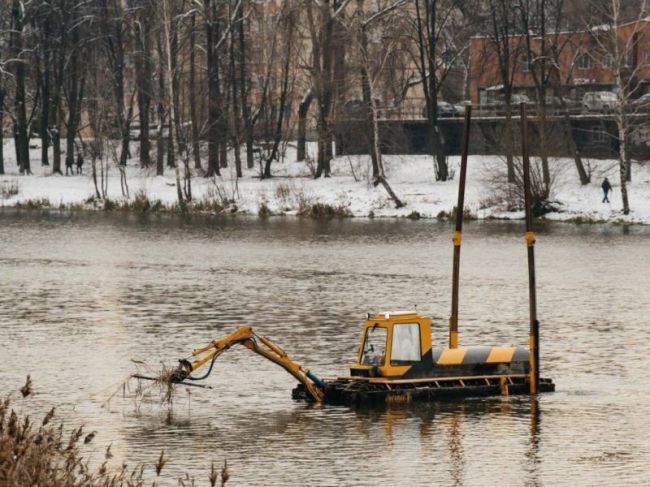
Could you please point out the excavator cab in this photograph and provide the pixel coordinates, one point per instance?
(398, 346)
(392, 344)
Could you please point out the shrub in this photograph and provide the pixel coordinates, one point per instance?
(325, 211)
(264, 211)
(8, 189)
(33, 204)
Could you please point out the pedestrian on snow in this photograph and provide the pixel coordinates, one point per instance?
(80, 163)
(607, 187)
(69, 162)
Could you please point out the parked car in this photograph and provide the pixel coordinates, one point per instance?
(460, 107)
(517, 99)
(445, 110)
(356, 109)
(641, 104)
(599, 101)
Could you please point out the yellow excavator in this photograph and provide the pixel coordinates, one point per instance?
(396, 361)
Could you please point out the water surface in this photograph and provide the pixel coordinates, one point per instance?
(81, 295)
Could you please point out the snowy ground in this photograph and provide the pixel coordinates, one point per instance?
(293, 187)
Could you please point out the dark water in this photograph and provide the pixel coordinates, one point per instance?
(83, 294)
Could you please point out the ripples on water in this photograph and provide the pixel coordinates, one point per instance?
(83, 294)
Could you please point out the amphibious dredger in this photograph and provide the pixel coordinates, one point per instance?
(396, 361)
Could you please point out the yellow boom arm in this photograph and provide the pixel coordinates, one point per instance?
(263, 346)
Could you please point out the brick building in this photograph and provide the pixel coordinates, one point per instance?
(584, 61)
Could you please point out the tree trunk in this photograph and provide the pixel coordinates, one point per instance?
(56, 138)
(303, 109)
(180, 139)
(243, 93)
(55, 112)
(196, 147)
(21, 135)
(214, 95)
(378, 173)
(45, 112)
(325, 94)
(509, 146)
(623, 164)
(571, 143)
(236, 114)
(75, 94)
(546, 172)
(167, 19)
(144, 76)
(2, 116)
(283, 97)
(366, 90)
(160, 140)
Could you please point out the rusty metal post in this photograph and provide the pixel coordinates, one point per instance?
(530, 242)
(458, 233)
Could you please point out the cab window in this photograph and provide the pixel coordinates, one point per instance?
(406, 343)
(374, 346)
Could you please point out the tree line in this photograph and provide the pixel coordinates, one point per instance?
(244, 77)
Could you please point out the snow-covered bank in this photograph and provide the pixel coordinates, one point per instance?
(292, 189)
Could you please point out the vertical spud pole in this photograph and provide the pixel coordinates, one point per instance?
(458, 233)
(530, 243)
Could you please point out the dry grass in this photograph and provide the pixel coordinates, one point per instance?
(33, 453)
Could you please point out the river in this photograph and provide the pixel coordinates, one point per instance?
(83, 295)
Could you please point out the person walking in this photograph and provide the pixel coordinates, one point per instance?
(69, 162)
(80, 163)
(607, 187)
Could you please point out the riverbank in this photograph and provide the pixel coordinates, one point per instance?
(293, 191)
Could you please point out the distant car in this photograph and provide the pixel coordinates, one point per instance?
(599, 101)
(445, 110)
(642, 103)
(517, 99)
(460, 107)
(357, 109)
(552, 101)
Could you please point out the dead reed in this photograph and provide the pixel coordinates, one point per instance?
(43, 454)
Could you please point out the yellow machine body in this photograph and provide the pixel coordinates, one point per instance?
(398, 346)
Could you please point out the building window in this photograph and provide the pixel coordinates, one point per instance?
(608, 61)
(647, 57)
(627, 59)
(525, 65)
(584, 61)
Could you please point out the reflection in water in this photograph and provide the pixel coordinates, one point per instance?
(533, 453)
(81, 295)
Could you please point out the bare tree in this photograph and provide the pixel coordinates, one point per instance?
(3, 74)
(17, 63)
(143, 24)
(618, 38)
(116, 36)
(437, 51)
(167, 21)
(215, 129)
(193, 98)
(287, 25)
(321, 17)
(506, 47)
